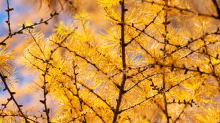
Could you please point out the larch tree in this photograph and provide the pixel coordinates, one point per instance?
(157, 62)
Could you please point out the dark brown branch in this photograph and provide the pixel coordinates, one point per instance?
(193, 40)
(141, 81)
(44, 87)
(5, 104)
(164, 80)
(20, 31)
(93, 110)
(155, 95)
(145, 77)
(146, 26)
(73, 119)
(76, 118)
(17, 115)
(12, 96)
(158, 105)
(165, 100)
(8, 21)
(216, 7)
(180, 114)
(77, 89)
(123, 52)
(183, 9)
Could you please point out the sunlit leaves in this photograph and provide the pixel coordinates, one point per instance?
(105, 3)
(6, 62)
(172, 68)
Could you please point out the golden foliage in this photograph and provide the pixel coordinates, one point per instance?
(6, 59)
(156, 62)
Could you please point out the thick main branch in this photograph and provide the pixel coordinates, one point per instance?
(119, 100)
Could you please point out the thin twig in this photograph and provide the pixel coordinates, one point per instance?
(20, 31)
